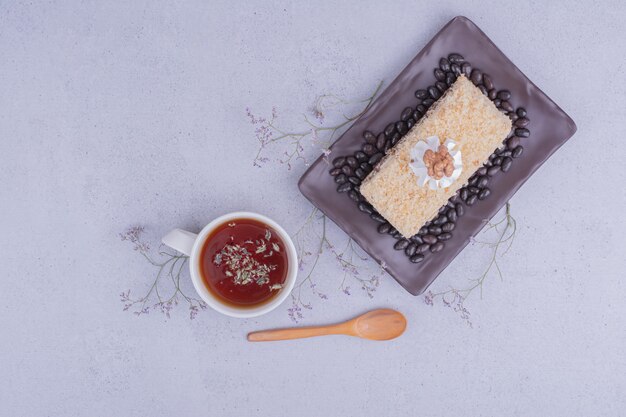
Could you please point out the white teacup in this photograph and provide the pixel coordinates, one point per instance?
(191, 244)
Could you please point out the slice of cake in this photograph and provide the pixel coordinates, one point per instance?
(408, 189)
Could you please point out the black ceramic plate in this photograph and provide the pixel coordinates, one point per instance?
(550, 128)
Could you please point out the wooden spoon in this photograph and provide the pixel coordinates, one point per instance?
(382, 324)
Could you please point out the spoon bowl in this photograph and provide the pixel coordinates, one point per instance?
(381, 324)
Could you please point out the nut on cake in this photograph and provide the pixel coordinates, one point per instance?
(463, 114)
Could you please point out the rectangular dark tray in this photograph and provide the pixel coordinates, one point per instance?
(550, 127)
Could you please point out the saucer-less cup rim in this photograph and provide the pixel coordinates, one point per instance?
(191, 245)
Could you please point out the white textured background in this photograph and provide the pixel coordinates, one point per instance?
(119, 113)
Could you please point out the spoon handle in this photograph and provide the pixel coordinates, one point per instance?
(297, 333)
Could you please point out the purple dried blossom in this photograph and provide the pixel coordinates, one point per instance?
(428, 298)
(133, 235)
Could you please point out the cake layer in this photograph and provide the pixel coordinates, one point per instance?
(464, 115)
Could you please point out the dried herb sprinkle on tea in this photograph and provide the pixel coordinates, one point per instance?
(244, 262)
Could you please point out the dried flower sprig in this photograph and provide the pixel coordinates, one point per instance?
(355, 265)
(170, 267)
(455, 298)
(316, 134)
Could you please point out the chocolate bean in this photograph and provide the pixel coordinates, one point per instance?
(522, 132)
(441, 86)
(401, 128)
(384, 228)
(493, 170)
(430, 239)
(338, 162)
(444, 236)
(378, 217)
(374, 159)
(423, 231)
(417, 239)
(354, 196)
(448, 227)
(410, 123)
(487, 82)
(366, 167)
(369, 137)
(417, 115)
(504, 95)
(484, 193)
(521, 112)
(477, 77)
(482, 182)
(481, 171)
(450, 78)
(492, 93)
(437, 247)
(471, 200)
(456, 58)
(341, 178)
(365, 207)
(464, 193)
(395, 138)
(460, 210)
(428, 102)
(369, 149)
(354, 180)
(423, 248)
(390, 129)
(401, 244)
(442, 218)
(381, 141)
(434, 230)
(497, 102)
(411, 249)
(505, 105)
(452, 216)
(512, 142)
(360, 173)
(456, 69)
(421, 94)
(472, 180)
(522, 122)
(360, 156)
(346, 186)
(397, 235)
(392, 231)
(335, 171)
(439, 74)
(421, 108)
(505, 153)
(517, 152)
(513, 116)
(466, 69)
(417, 258)
(497, 160)
(406, 113)
(483, 89)
(444, 64)
(473, 190)
(352, 162)
(506, 164)
(346, 169)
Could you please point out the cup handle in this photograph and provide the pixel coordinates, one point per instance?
(180, 240)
